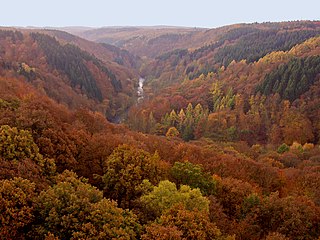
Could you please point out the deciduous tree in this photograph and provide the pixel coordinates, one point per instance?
(125, 169)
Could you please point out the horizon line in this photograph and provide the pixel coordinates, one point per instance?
(154, 26)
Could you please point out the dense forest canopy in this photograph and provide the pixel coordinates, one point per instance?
(223, 145)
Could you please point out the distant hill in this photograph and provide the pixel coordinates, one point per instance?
(155, 41)
(248, 42)
(144, 41)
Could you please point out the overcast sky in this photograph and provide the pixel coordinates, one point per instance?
(196, 13)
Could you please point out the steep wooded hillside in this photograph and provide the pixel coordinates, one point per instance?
(244, 42)
(247, 99)
(59, 65)
(109, 54)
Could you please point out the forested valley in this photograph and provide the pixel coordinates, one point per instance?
(223, 142)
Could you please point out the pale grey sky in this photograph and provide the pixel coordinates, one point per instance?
(197, 13)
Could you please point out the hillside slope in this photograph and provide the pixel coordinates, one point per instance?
(275, 80)
(72, 71)
(154, 41)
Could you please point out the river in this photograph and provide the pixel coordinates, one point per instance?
(140, 89)
(121, 117)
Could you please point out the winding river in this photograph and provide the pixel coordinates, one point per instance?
(121, 117)
(140, 89)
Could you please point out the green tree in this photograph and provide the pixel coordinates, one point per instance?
(18, 149)
(216, 95)
(189, 111)
(222, 101)
(166, 195)
(63, 208)
(192, 175)
(107, 221)
(174, 119)
(18, 144)
(188, 129)
(228, 101)
(283, 148)
(125, 169)
(73, 209)
(198, 113)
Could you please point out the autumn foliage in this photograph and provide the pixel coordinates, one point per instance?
(220, 147)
